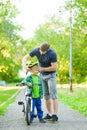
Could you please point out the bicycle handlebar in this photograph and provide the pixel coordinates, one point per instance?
(23, 84)
(34, 85)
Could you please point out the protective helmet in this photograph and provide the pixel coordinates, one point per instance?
(30, 64)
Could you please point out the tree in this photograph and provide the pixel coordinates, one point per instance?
(9, 40)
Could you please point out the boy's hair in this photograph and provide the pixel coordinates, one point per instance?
(44, 46)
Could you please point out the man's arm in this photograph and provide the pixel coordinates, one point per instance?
(53, 67)
(24, 60)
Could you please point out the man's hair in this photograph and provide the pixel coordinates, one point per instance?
(44, 46)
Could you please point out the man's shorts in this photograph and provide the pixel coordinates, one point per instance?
(49, 86)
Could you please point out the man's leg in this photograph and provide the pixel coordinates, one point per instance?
(48, 101)
(55, 106)
(54, 96)
(49, 106)
(52, 108)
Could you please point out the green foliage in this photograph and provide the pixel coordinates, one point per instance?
(56, 32)
(9, 40)
(82, 2)
(79, 42)
(76, 100)
(17, 80)
(58, 35)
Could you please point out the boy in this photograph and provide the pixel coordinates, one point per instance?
(34, 82)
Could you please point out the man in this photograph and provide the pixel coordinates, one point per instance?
(47, 66)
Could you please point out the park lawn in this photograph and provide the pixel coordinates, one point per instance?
(7, 96)
(77, 99)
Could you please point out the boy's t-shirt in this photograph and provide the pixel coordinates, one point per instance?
(36, 87)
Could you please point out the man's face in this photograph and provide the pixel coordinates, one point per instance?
(42, 52)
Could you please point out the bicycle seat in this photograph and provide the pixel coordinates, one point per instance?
(28, 93)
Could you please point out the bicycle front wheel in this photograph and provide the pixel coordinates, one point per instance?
(28, 112)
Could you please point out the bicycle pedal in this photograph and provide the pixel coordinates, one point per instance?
(23, 111)
(20, 102)
(35, 115)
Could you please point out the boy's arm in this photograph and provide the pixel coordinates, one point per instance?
(27, 81)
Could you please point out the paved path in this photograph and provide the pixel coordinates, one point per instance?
(68, 119)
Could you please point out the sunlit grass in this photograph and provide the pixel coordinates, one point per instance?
(7, 96)
(76, 100)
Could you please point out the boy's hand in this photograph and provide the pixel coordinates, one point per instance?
(41, 97)
(30, 84)
(27, 68)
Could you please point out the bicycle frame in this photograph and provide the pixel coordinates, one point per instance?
(28, 109)
(27, 106)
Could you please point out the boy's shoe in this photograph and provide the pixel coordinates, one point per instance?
(42, 120)
(54, 118)
(48, 117)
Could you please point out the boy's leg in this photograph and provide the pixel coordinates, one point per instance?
(39, 108)
(40, 111)
(33, 107)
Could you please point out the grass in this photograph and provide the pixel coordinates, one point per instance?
(77, 99)
(7, 96)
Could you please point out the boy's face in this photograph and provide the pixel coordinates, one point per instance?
(34, 69)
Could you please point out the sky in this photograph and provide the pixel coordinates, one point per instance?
(33, 12)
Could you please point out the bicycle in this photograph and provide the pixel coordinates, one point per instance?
(27, 106)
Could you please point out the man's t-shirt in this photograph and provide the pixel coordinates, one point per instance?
(46, 59)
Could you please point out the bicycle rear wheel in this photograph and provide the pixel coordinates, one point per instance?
(28, 112)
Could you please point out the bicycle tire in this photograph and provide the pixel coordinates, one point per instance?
(28, 112)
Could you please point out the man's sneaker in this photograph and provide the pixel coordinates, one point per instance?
(42, 120)
(54, 118)
(48, 117)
